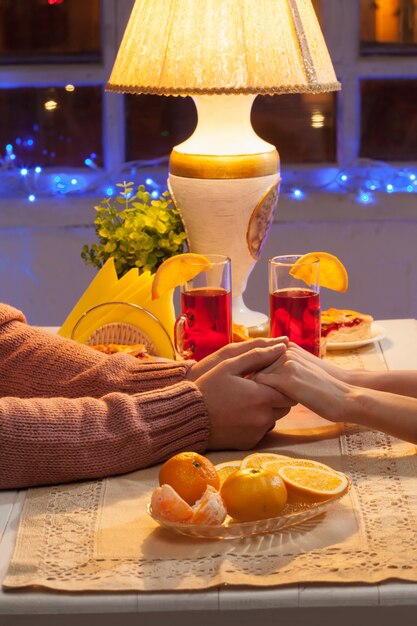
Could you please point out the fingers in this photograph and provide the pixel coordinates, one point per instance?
(231, 351)
(256, 359)
(236, 349)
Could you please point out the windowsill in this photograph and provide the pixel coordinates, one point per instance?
(316, 207)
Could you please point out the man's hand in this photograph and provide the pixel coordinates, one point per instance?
(241, 411)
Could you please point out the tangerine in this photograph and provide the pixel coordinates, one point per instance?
(209, 509)
(167, 504)
(253, 494)
(189, 474)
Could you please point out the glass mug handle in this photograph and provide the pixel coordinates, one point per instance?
(179, 337)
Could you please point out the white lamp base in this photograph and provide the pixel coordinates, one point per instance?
(224, 180)
(241, 314)
(229, 217)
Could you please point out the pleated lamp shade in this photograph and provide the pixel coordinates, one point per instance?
(192, 47)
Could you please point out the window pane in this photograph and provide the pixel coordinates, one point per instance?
(301, 126)
(155, 124)
(51, 126)
(389, 120)
(37, 31)
(388, 26)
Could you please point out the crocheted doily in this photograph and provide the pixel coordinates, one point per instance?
(97, 536)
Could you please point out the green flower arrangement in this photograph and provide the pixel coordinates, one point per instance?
(136, 230)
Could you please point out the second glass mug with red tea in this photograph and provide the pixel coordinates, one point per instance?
(205, 323)
(294, 304)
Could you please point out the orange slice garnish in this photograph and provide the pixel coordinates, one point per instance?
(176, 271)
(332, 272)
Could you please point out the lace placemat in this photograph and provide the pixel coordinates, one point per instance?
(97, 535)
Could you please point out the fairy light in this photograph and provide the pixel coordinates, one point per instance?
(365, 198)
(297, 194)
(365, 180)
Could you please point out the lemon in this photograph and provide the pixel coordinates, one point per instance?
(176, 271)
(332, 272)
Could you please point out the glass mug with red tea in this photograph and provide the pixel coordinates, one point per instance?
(205, 323)
(294, 305)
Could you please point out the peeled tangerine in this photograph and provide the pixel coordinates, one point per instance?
(208, 510)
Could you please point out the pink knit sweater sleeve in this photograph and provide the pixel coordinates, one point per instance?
(68, 413)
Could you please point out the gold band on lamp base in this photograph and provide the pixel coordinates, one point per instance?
(228, 214)
(223, 166)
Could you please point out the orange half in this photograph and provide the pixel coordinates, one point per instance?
(311, 484)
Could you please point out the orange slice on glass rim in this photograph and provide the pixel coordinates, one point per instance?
(176, 271)
(332, 272)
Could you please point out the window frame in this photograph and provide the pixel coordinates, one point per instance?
(341, 28)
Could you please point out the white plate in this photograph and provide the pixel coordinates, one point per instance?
(377, 333)
(293, 514)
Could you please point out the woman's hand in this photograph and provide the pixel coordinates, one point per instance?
(305, 379)
(230, 351)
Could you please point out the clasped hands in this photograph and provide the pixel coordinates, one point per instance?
(241, 409)
(248, 386)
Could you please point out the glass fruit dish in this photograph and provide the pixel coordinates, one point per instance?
(292, 515)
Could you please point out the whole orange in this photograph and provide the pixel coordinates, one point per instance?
(253, 494)
(189, 473)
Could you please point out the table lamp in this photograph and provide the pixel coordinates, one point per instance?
(224, 178)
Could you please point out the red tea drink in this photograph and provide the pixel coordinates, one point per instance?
(296, 314)
(208, 326)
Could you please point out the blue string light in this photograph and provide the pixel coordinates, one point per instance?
(363, 180)
(297, 194)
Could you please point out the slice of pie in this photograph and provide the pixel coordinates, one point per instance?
(342, 325)
(137, 350)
